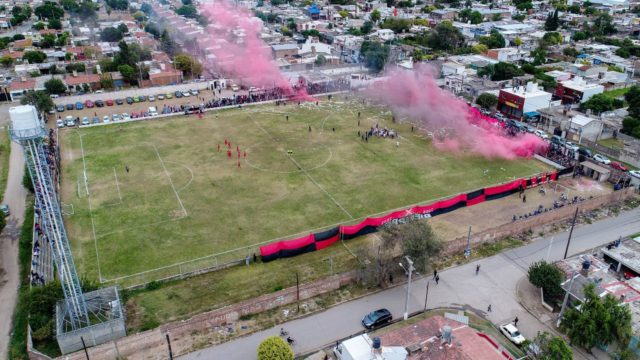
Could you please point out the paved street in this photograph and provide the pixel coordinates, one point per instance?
(495, 285)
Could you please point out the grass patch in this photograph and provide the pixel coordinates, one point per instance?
(612, 143)
(483, 251)
(614, 94)
(138, 217)
(5, 152)
(18, 342)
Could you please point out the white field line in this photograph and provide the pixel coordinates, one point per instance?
(93, 225)
(117, 185)
(170, 181)
(139, 227)
(306, 173)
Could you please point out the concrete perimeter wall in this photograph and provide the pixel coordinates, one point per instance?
(140, 345)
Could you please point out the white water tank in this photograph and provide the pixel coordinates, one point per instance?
(24, 122)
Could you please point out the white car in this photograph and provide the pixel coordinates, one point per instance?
(235, 88)
(85, 120)
(125, 117)
(152, 98)
(106, 119)
(635, 173)
(60, 123)
(601, 159)
(161, 97)
(572, 146)
(186, 94)
(69, 121)
(541, 134)
(512, 333)
(115, 117)
(194, 92)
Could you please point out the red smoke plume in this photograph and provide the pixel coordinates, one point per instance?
(233, 38)
(454, 125)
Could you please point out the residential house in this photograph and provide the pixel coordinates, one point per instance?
(443, 14)
(284, 51)
(76, 82)
(166, 75)
(17, 89)
(577, 90)
(515, 102)
(510, 55)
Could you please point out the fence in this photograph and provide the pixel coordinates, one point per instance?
(626, 155)
(499, 232)
(181, 332)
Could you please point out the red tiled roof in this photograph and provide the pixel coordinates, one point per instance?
(14, 54)
(82, 79)
(48, 31)
(23, 85)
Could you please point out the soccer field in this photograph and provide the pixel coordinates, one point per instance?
(151, 199)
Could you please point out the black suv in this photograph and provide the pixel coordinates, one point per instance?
(376, 318)
(99, 103)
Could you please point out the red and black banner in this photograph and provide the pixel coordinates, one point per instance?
(320, 240)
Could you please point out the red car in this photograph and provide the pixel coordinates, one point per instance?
(88, 104)
(618, 166)
(109, 102)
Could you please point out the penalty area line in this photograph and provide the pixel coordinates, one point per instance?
(170, 181)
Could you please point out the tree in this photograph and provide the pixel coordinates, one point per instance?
(600, 103)
(188, 11)
(167, 44)
(153, 30)
(118, 4)
(111, 34)
(418, 242)
(128, 73)
(517, 41)
(552, 23)
(603, 25)
(49, 10)
(539, 56)
(47, 41)
(397, 25)
(487, 100)
(146, 8)
(70, 5)
(38, 26)
(446, 37)
(366, 27)
(551, 348)
(106, 82)
(601, 320)
(548, 277)
(55, 24)
(375, 16)
(321, 60)
(480, 49)
(6, 61)
(570, 51)
(274, 348)
(187, 64)
(34, 57)
(86, 10)
(375, 54)
(494, 40)
(55, 86)
(40, 99)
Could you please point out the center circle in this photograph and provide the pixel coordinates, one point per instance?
(284, 158)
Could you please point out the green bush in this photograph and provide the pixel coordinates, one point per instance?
(274, 348)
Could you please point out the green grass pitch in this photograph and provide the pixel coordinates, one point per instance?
(182, 199)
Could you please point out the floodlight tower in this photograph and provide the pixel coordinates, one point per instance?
(29, 131)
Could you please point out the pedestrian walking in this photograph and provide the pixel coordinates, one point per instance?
(358, 121)
(287, 117)
(391, 278)
(515, 321)
(489, 308)
(309, 128)
(524, 198)
(126, 167)
(358, 117)
(477, 269)
(437, 279)
(435, 273)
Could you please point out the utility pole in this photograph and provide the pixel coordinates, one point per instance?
(426, 297)
(549, 249)
(467, 250)
(573, 223)
(409, 271)
(169, 345)
(298, 291)
(566, 297)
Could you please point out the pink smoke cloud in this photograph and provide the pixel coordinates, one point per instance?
(455, 126)
(233, 39)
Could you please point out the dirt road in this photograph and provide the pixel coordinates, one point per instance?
(14, 196)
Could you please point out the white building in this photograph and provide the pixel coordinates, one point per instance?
(362, 348)
(577, 90)
(385, 34)
(517, 101)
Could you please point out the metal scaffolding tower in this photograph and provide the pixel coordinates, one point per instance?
(29, 131)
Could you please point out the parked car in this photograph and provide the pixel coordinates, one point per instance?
(79, 106)
(52, 110)
(142, 98)
(99, 103)
(115, 117)
(96, 120)
(126, 117)
(109, 102)
(106, 119)
(152, 98)
(70, 107)
(60, 123)
(85, 120)
(60, 108)
(235, 88)
(88, 104)
(153, 111)
(160, 96)
(168, 96)
(136, 99)
(618, 166)
(585, 152)
(541, 134)
(69, 121)
(5, 210)
(129, 100)
(194, 92)
(601, 159)
(120, 101)
(557, 140)
(635, 174)
(376, 318)
(186, 94)
(512, 333)
(570, 145)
